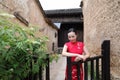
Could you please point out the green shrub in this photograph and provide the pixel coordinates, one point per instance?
(17, 48)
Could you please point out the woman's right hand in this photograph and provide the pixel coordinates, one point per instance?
(79, 57)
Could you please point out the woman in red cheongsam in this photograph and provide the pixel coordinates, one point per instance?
(75, 49)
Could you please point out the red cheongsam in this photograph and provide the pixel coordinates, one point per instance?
(77, 48)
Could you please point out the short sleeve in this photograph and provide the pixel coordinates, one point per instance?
(66, 44)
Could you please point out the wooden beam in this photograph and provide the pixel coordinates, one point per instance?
(21, 19)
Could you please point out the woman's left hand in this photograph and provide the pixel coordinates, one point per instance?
(84, 58)
(77, 59)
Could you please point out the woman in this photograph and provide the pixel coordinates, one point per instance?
(77, 51)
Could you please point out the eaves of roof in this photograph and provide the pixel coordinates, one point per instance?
(64, 12)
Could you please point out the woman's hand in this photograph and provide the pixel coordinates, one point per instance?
(77, 59)
(80, 57)
(84, 58)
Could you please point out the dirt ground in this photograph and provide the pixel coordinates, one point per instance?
(57, 69)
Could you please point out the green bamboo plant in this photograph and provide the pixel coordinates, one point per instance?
(17, 48)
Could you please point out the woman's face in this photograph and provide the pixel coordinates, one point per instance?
(72, 36)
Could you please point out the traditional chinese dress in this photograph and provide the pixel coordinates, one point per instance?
(77, 48)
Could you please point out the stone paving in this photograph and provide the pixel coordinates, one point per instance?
(57, 69)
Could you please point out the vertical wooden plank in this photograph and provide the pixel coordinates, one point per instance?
(106, 60)
(69, 68)
(31, 74)
(47, 68)
(40, 72)
(78, 71)
(86, 70)
(102, 69)
(97, 69)
(35, 76)
(92, 69)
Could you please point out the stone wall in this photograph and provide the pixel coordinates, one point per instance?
(101, 22)
(32, 12)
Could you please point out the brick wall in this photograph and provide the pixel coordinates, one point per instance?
(102, 21)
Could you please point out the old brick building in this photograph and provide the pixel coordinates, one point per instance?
(29, 12)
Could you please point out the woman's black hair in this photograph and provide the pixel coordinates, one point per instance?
(72, 30)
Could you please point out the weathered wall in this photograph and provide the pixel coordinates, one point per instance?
(31, 12)
(101, 22)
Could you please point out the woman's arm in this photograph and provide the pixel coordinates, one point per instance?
(65, 53)
(85, 56)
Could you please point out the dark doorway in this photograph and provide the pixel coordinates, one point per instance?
(62, 33)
